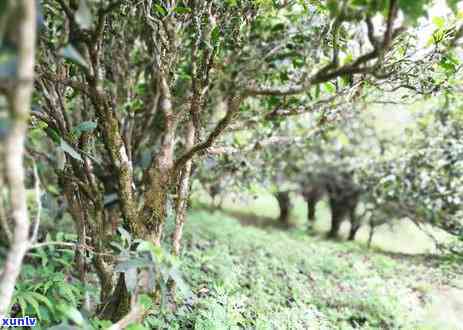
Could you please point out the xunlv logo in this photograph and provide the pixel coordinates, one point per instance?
(18, 322)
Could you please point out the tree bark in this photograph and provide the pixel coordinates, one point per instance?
(183, 192)
(118, 304)
(19, 100)
(160, 174)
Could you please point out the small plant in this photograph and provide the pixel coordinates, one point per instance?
(149, 266)
(47, 288)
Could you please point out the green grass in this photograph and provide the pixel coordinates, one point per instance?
(404, 237)
(243, 277)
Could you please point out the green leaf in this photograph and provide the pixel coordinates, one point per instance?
(72, 54)
(160, 9)
(413, 9)
(317, 91)
(182, 10)
(146, 301)
(72, 313)
(329, 87)
(85, 126)
(215, 35)
(67, 292)
(83, 15)
(438, 21)
(332, 6)
(53, 135)
(148, 246)
(66, 147)
(33, 303)
(278, 27)
(44, 300)
(22, 304)
(125, 235)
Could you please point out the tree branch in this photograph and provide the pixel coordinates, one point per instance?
(332, 70)
(233, 106)
(35, 230)
(67, 10)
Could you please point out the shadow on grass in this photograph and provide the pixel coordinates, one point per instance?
(429, 259)
(246, 218)
(250, 219)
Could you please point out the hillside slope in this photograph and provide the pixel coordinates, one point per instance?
(248, 278)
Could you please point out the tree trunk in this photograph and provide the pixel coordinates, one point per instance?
(285, 206)
(353, 231)
(183, 192)
(336, 220)
(19, 100)
(154, 211)
(118, 305)
(311, 207)
(370, 235)
(312, 193)
(160, 173)
(354, 224)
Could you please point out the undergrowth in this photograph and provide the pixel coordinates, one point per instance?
(243, 277)
(247, 278)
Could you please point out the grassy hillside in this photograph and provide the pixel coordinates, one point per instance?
(262, 210)
(244, 277)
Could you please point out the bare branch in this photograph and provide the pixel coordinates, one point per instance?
(233, 105)
(45, 244)
(50, 76)
(183, 189)
(39, 205)
(332, 70)
(67, 10)
(303, 109)
(102, 13)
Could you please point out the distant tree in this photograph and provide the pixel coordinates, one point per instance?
(422, 182)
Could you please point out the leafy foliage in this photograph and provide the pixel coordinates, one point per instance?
(48, 289)
(262, 279)
(423, 182)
